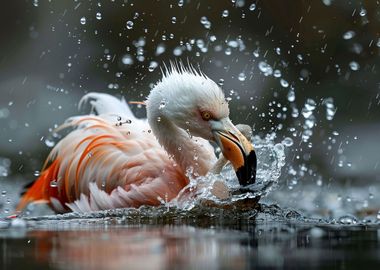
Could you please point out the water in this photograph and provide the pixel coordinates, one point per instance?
(202, 239)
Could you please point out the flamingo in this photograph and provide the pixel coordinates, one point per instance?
(111, 159)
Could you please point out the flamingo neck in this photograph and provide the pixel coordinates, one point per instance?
(186, 151)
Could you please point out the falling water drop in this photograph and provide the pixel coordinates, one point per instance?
(310, 104)
(284, 83)
(98, 16)
(129, 25)
(225, 13)
(83, 20)
(327, 2)
(160, 49)
(277, 73)
(49, 142)
(363, 12)
(354, 66)
(53, 184)
(242, 77)
(287, 142)
(348, 35)
(205, 22)
(291, 95)
(152, 66)
(177, 51)
(252, 7)
(127, 59)
(265, 68)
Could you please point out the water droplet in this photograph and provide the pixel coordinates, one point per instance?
(228, 51)
(354, 66)
(277, 73)
(3, 193)
(49, 142)
(98, 16)
(284, 83)
(363, 12)
(330, 108)
(291, 95)
(278, 51)
(152, 66)
(348, 35)
(36, 173)
(347, 220)
(35, 3)
(177, 51)
(306, 113)
(174, 20)
(180, 3)
(83, 20)
(265, 68)
(287, 142)
(327, 2)
(127, 59)
(310, 104)
(129, 25)
(205, 22)
(225, 13)
(53, 184)
(160, 49)
(221, 82)
(252, 7)
(242, 77)
(233, 43)
(162, 105)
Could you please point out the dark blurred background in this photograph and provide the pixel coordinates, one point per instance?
(304, 70)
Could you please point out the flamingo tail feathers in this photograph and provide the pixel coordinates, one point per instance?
(104, 103)
(40, 191)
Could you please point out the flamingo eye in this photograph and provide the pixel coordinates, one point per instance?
(206, 115)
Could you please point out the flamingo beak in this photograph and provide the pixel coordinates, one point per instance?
(237, 149)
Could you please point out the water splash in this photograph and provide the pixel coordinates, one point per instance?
(271, 159)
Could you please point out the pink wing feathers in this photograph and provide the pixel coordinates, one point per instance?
(108, 161)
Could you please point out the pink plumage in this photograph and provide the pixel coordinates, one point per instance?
(111, 159)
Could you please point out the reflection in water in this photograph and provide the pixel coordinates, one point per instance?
(274, 245)
(133, 248)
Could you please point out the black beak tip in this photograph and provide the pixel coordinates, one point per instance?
(247, 173)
